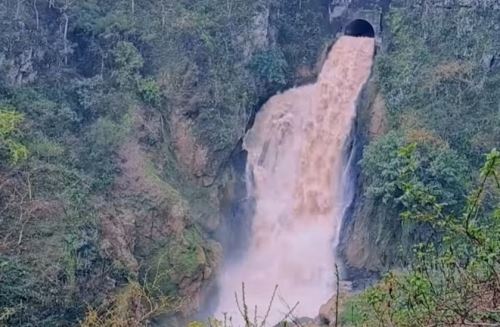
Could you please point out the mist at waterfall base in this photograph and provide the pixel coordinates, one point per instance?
(297, 173)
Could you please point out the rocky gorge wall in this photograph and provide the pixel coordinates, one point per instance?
(397, 98)
(445, 32)
(134, 118)
(335, 16)
(371, 230)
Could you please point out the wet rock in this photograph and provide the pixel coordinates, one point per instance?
(327, 312)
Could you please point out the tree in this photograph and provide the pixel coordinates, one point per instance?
(416, 158)
(128, 61)
(270, 66)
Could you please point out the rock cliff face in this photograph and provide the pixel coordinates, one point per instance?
(177, 104)
(367, 242)
(237, 208)
(368, 245)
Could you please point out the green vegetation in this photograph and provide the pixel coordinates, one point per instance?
(182, 258)
(302, 33)
(134, 298)
(403, 167)
(437, 79)
(431, 218)
(10, 147)
(451, 282)
(270, 66)
(95, 203)
(93, 197)
(436, 76)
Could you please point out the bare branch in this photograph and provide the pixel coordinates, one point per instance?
(269, 306)
(337, 296)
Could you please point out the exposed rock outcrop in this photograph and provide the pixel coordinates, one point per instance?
(146, 223)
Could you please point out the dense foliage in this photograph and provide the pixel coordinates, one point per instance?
(87, 87)
(395, 162)
(453, 282)
(438, 74)
(432, 217)
(437, 78)
(10, 148)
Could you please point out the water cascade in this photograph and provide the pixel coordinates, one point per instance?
(296, 172)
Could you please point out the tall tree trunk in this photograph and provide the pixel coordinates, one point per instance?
(65, 37)
(18, 9)
(36, 15)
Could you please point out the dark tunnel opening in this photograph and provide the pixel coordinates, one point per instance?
(360, 27)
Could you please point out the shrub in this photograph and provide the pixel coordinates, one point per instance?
(128, 61)
(270, 66)
(183, 257)
(398, 159)
(45, 148)
(10, 147)
(103, 139)
(134, 305)
(149, 91)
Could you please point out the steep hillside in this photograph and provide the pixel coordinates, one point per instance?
(434, 86)
(121, 122)
(118, 120)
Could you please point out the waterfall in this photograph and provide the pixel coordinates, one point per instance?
(296, 170)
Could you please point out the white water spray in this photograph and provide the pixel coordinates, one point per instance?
(296, 168)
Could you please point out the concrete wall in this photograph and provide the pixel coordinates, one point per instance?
(342, 12)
